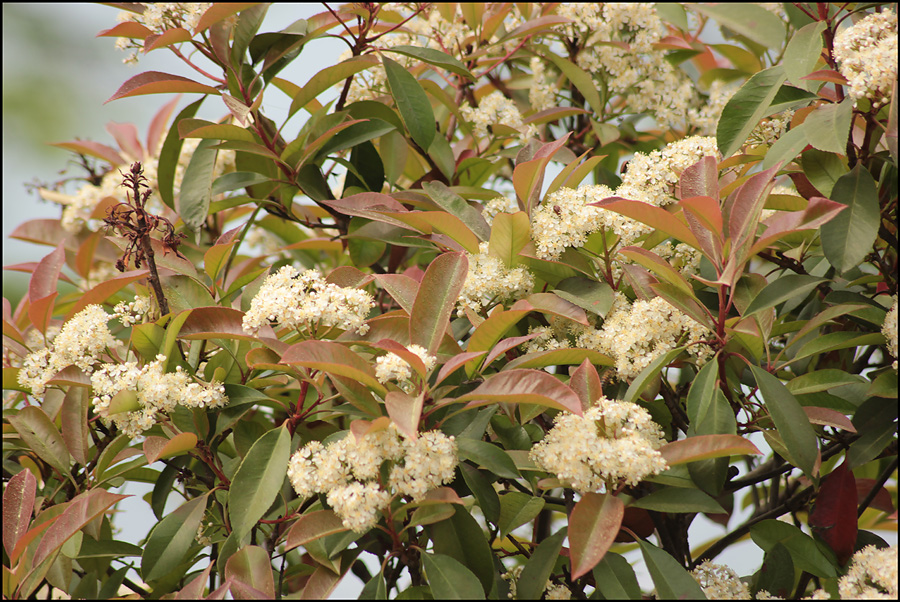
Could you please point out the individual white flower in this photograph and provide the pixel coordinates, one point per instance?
(872, 575)
(132, 312)
(889, 329)
(557, 591)
(719, 582)
(305, 302)
(613, 440)
(867, 56)
(489, 282)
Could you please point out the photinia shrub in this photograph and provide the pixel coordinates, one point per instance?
(540, 286)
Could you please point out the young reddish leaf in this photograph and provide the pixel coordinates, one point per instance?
(833, 518)
(170, 37)
(405, 354)
(593, 526)
(653, 216)
(549, 303)
(106, 289)
(701, 179)
(220, 11)
(313, 526)
(156, 82)
(321, 583)
(401, 287)
(436, 299)
(829, 417)
(882, 500)
(658, 266)
(826, 75)
(126, 136)
(507, 344)
(93, 149)
(489, 332)
(160, 448)
(200, 128)
(128, 29)
(157, 128)
(18, 504)
(40, 311)
(705, 447)
(558, 357)
(250, 566)
(819, 211)
(79, 512)
(704, 218)
(333, 358)
(528, 176)
(195, 589)
(215, 258)
(524, 386)
(74, 423)
(405, 411)
(742, 208)
(46, 274)
(586, 383)
(84, 257)
(457, 362)
(42, 437)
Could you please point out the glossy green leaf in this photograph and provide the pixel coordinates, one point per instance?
(326, 78)
(804, 552)
(537, 570)
(250, 571)
(258, 480)
(412, 102)
(650, 372)
(462, 538)
(789, 419)
(593, 526)
(516, 509)
(206, 130)
(747, 107)
(455, 205)
(615, 578)
(451, 580)
(677, 499)
(171, 538)
(848, 238)
(42, 437)
(702, 392)
(590, 295)
(196, 187)
(483, 489)
(828, 126)
(671, 580)
(436, 300)
(844, 339)
(782, 289)
(749, 20)
(788, 146)
(581, 79)
(489, 456)
(802, 53)
(433, 57)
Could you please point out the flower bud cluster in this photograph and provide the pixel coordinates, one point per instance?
(613, 440)
(889, 330)
(155, 391)
(305, 302)
(348, 471)
(719, 582)
(80, 341)
(867, 53)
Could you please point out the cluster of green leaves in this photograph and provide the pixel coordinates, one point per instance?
(796, 305)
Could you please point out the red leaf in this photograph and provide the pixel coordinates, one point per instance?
(18, 503)
(94, 149)
(833, 518)
(156, 82)
(882, 499)
(126, 136)
(586, 383)
(524, 386)
(705, 447)
(593, 525)
(638, 521)
(128, 29)
(46, 274)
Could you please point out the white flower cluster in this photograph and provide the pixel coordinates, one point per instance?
(565, 218)
(305, 302)
(392, 367)
(155, 391)
(613, 440)
(635, 336)
(347, 471)
(867, 53)
(498, 204)
(889, 329)
(872, 575)
(552, 591)
(541, 95)
(132, 312)
(80, 341)
(719, 582)
(489, 282)
(159, 17)
(496, 108)
(770, 129)
(706, 117)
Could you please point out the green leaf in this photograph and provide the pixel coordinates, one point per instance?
(615, 578)
(822, 380)
(778, 291)
(823, 169)
(326, 78)
(748, 105)
(412, 102)
(436, 299)
(790, 420)
(484, 491)
(804, 551)
(749, 20)
(489, 456)
(593, 525)
(196, 186)
(679, 499)
(508, 235)
(516, 509)
(537, 570)
(462, 538)
(844, 339)
(451, 580)
(258, 480)
(433, 57)
(352, 136)
(590, 295)
(650, 372)
(42, 437)
(787, 147)
(802, 53)
(828, 126)
(671, 580)
(848, 238)
(702, 392)
(581, 79)
(454, 204)
(171, 538)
